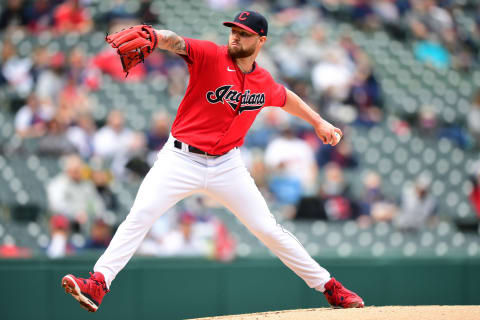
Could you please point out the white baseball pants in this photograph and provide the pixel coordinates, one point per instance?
(177, 174)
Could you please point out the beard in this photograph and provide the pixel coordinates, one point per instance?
(237, 52)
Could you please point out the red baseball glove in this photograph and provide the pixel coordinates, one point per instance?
(133, 44)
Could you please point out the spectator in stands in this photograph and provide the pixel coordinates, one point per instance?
(177, 82)
(265, 128)
(418, 206)
(332, 201)
(373, 204)
(363, 14)
(473, 119)
(121, 13)
(289, 58)
(101, 178)
(156, 64)
(342, 154)
(52, 80)
(365, 96)
(71, 16)
(13, 15)
(158, 132)
(391, 15)
(430, 126)
(8, 249)
(81, 72)
(16, 71)
(55, 142)
(313, 47)
(338, 203)
(292, 164)
(100, 235)
(32, 119)
(81, 134)
(74, 197)
(117, 143)
(428, 23)
(161, 226)
(432, 52)
(427, 122)
(39, 14)
(146, 14)
(403, 6)
(354, 52)
(258, 171)
(59, 234)
(333, 74)
(331, 79)
(185, 239)
(41, 61)
(77, 70)
(433, 17)
(387, 11)
(118, 11)
(73, 100)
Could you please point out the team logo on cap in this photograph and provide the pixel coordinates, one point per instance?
(244, 15)
(225, 94)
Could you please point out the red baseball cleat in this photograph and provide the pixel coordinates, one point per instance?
(340, 297)
(88, 292)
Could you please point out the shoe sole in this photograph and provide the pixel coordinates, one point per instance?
(356, 305)
(71, 287)
(350, 306)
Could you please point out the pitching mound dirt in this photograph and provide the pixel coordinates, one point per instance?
(369, 313)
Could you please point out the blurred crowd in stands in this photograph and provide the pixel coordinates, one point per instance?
(49, 94)
(438, 35)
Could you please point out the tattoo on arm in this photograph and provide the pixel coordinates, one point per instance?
(169, 40)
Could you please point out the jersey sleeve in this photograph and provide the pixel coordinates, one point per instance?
(278, 95)
(198, 50)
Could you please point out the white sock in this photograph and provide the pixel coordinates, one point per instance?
(321, 287)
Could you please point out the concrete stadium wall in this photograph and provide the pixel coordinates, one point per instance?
(186, 288)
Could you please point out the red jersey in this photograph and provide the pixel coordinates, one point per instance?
(221, 101)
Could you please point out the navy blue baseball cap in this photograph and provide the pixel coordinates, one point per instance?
(251, 21)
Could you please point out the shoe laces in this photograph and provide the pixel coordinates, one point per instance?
(100, 284)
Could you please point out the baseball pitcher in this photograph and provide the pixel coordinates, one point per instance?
(226, 91)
